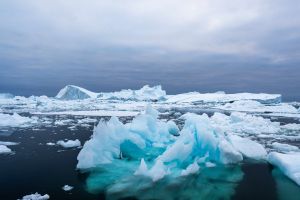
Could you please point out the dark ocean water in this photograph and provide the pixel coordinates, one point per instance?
(36, 167)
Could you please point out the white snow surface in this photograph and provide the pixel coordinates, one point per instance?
(288, 163)
(36, 196)
(69, 143)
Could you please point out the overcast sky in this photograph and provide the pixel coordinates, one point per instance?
(212, 45)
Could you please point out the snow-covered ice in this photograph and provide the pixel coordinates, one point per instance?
(36, 196)
(288, 163)
(69, 143)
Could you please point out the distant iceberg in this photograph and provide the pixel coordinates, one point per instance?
(72, 92)
(146, 93)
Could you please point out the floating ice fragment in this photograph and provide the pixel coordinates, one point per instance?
(69, 143)
(4, 149)
(36, 196)
(67, 188)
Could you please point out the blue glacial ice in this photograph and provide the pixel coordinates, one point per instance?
(148, 152)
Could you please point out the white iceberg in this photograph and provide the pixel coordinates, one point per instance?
(68, 143)
(36, 196)
(288, 163)
(72, 92)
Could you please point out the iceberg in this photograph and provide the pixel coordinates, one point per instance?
(288, 163)
(72, 92)
(146, 93)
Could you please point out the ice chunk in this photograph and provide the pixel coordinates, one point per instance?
(248, 148)
(69, 143)
(72, 92)
(284, 147)
(4, 149)
(36, 196)
(288, 163)
(191, 169)
(15, 120)
(67, 188)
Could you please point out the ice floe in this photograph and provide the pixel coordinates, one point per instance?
(4, 149)
(288, 163)
(15, 120)
(36, 196)
(67, 188)
(69, 143)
